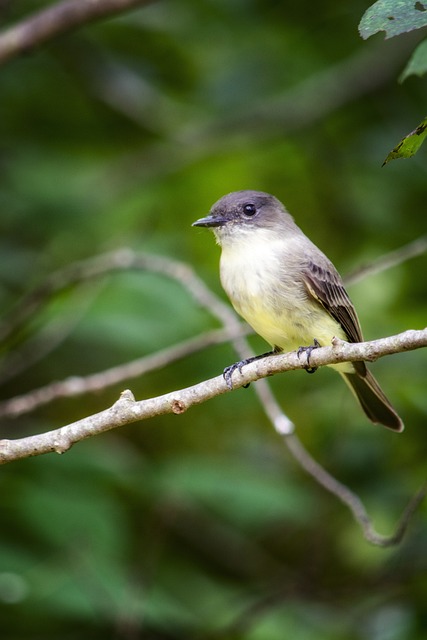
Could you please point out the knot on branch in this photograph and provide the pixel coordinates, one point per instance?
(178, 406)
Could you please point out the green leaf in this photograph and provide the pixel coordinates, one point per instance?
(417, 64)
(410, 144)
(394, 17)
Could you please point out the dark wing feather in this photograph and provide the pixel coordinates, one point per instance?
(325, 286)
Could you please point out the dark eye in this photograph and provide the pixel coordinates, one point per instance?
(249, 209)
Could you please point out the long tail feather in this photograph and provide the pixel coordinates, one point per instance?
(372, 400)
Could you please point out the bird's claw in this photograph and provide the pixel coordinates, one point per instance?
(308, 350)
(228, 372)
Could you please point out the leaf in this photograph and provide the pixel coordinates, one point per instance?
(394, 17)
(417, 64)
(410, 144)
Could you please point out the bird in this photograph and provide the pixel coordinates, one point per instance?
(286, 288)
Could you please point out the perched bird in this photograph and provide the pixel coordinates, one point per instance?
(288, 290)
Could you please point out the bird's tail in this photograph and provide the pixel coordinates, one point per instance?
(372, 399)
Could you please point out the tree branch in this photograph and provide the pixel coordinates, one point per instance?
(78, 385)
(387, 261)
(127, 410)
(55, 20)
(351, 500)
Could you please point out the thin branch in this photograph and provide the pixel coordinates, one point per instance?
(58, 19)
(351, 500)
(387, 261)
(120, 260)
(79, 385)
(127, 410)
(125, 259)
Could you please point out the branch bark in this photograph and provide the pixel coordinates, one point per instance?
(55, 20)
(127, 410)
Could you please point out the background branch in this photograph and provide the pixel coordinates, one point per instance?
(125, 259)
(351, 500)
(78, 385)
(392, 259)
(126, 410)
(55, 20)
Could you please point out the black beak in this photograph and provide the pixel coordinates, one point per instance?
(209, 221)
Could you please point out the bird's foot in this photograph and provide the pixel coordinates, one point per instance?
(308, 351)
(228, 371)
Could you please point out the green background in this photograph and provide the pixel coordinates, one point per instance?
(202, 526)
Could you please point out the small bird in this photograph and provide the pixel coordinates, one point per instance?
(288, 290)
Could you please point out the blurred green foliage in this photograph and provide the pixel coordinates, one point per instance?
(202, 526)
(417, 64)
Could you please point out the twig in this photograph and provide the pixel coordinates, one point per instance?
(56, 20)
(351, 500)
(120, 260)
(79, 385)
(392, 259)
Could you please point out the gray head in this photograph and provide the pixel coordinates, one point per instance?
(242, 211)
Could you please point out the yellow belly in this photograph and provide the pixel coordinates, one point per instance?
(277, 306)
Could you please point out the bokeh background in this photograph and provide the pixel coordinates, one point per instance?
(202, 526)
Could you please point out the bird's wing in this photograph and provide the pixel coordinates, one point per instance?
(325, 286)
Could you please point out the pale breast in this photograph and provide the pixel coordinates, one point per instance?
(263, 281)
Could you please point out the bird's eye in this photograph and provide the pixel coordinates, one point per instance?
(249, 209)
